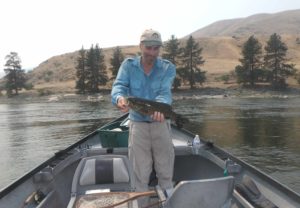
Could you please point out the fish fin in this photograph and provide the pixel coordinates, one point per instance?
(180, 120)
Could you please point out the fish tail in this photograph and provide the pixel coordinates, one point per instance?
(180, 120)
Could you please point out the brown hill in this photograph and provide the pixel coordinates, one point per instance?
(287, 22)
(221, 43)
(62, 67)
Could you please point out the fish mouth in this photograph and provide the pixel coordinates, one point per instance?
(127, 101)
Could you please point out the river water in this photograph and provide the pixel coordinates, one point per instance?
(264, 132)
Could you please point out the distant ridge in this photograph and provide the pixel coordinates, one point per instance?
(287, 22)
(221, 43)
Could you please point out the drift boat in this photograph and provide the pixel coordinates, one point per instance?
(95, 172)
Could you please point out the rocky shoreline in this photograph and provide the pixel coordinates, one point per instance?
(198, 93)
(241, 92)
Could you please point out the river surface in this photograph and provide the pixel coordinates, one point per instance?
(264, 132)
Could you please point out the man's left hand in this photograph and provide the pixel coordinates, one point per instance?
(158, 116)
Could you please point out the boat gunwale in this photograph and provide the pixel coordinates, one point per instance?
(215, 150)
(260, 174)
(248, 167)
(57, 155)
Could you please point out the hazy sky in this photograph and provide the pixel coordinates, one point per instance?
(40, 29)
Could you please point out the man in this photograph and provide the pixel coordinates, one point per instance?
(147, 76)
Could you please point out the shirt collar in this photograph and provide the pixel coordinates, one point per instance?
(157, 63)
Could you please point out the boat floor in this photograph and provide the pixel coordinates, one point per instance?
(54, 180)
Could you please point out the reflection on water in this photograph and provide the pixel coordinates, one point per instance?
(31, 133)
(263, 132)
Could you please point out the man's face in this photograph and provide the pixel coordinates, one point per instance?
(149, 53)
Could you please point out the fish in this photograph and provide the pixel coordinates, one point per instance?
(148, 107)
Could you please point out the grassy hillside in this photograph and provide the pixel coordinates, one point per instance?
(221, 55)
(221, 42)
(287, 22)
(61, 68)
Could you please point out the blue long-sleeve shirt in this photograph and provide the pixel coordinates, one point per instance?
(133, 81)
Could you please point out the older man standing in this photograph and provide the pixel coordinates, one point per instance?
(148, 76)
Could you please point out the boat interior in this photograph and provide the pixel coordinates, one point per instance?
(81, 177)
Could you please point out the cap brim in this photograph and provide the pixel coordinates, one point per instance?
(152, 43)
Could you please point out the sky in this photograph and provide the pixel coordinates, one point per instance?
(40, 29)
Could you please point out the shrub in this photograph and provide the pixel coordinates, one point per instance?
(298, 77)
(44, 92)
(225, 78)
(28, 86)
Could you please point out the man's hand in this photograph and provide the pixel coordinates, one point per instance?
(158, 116)
(122, 104)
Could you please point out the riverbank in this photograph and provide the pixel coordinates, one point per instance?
(197, 93)
(236, 91)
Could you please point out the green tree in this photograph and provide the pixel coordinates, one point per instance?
(95, 69)
(172, 53)
(191, 59)
(251, 63)
(275, 62)
(91, 71)
(81, 71)
(172, 50)
(15, 75)
(116, 61)
(101, 66)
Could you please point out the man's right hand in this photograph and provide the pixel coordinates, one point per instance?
(122, 104)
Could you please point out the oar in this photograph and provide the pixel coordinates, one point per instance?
(109, 199)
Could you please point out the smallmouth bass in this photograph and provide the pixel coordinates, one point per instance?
(148, 107)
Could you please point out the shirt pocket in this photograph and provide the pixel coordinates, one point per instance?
(156, 87)
(136, 88)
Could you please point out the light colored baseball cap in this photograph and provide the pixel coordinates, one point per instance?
(151, 38)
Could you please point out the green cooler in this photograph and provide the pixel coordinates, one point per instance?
(114, 135)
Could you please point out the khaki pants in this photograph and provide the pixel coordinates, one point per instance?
(151, 143)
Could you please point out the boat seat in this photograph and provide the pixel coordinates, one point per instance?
(206, 193)
(101, 173)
